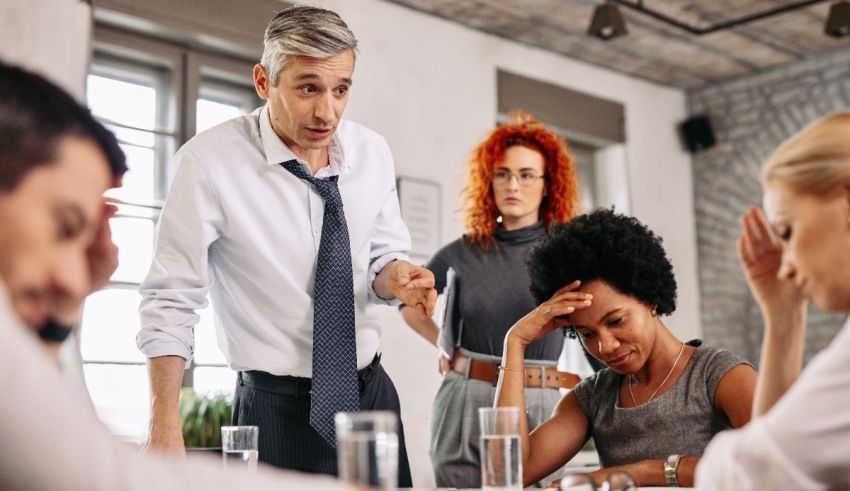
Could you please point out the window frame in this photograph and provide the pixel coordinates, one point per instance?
(182, 73)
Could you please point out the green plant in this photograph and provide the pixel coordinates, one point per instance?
(202, 417)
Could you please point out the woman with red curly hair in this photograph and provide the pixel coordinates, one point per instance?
(521, 181)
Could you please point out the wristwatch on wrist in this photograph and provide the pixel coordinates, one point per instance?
(670, 467)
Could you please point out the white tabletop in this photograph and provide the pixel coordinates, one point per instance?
(479, 489)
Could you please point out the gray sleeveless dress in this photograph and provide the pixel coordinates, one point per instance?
(679, 421)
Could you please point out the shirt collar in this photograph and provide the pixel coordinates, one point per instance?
(276, 151)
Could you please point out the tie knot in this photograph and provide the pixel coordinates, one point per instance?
(297, 169)
(327, 188)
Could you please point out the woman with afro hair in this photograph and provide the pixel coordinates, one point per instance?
(605, 278)
(521, 182)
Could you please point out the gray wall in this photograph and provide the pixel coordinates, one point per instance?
(751, 116)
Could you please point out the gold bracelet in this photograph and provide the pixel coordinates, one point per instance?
(508, 369)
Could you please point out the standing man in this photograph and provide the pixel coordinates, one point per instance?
(289, 219)
(56, 161)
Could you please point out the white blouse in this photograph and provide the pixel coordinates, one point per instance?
(802, 443)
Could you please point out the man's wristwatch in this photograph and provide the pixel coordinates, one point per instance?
(670, 467)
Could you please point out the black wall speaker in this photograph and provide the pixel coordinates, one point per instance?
(697, 133)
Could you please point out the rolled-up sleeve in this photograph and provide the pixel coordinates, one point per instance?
(390, 239)
(179, 278)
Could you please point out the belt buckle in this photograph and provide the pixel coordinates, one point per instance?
(468, 366)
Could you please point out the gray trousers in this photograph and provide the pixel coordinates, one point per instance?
(455, 429)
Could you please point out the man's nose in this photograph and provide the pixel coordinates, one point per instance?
(324, 108)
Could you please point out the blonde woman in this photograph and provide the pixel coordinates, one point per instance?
(797, 251)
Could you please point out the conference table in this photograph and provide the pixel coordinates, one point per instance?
(479, 489)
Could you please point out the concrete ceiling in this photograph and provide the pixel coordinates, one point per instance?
(654, 50)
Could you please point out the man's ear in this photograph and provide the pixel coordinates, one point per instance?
(261, 81)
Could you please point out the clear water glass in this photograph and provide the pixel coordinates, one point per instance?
(367, 448)
(239, 447)
(615, 481)
(501, 458)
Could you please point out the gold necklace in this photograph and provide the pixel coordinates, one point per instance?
(633, 380)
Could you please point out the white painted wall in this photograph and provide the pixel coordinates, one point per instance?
(48, 36)
(428, 85)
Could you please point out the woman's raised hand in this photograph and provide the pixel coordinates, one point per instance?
(761, 257)
(550, 315)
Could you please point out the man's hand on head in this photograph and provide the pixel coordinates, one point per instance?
(103, 253)
(102, 257)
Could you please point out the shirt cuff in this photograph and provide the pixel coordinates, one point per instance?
(375, 269)
(154, 343)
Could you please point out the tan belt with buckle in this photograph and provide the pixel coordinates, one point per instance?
(534, 376)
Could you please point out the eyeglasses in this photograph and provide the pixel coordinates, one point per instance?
(503, 177)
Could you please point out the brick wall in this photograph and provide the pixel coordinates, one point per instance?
(751, 116)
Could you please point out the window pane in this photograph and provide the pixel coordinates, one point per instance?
(121, 397)
(586, 173)
(133, 137)
(211, 113)
(139, 182)
(134, 238)
(206, 349)
(214, 379)
(127, 103)
(110, 324)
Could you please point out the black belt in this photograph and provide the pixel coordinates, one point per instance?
(297, 386)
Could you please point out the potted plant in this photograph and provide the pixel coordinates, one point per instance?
(202, 416)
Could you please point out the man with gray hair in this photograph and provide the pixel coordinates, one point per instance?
(289, 219)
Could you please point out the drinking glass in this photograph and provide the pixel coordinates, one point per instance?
(577, 482)
(615, 481)
(501, 459)
(239, 447)
(367, 448)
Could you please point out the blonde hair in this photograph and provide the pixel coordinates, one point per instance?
(816, 160)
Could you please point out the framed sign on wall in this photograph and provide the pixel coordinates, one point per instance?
(421, 201)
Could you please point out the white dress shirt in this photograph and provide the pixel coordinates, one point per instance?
(51, 438)
(239, 226)
(802, 443)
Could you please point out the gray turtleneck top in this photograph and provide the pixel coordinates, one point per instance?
(492, 291)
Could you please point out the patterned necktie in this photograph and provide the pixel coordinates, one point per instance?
(335, 386)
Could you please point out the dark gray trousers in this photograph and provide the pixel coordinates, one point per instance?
(280, 406)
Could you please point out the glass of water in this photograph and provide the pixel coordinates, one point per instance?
(501, 459)
(615, 481)
(239, 447)
(367, 448)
